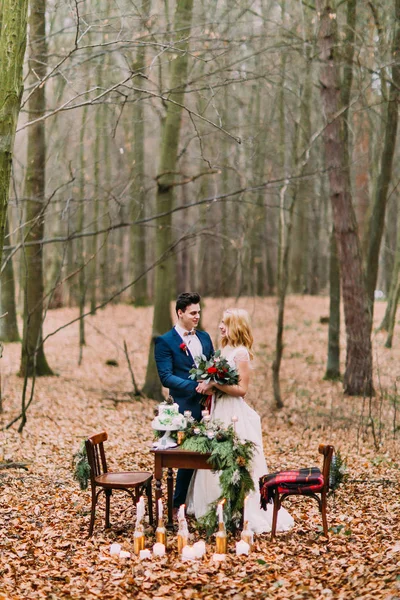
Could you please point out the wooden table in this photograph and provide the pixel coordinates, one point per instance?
(175, 458)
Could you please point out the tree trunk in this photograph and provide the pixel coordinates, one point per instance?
(333, 365)
(139, 291)
(94, 245)
(80, 253)
(388, 321)
(33, 360)
(165, 192)
(377, 220)
(8, 323)
(12, 50)
(301, 241)
(358, 374)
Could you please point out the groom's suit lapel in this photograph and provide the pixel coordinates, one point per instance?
(177, 338)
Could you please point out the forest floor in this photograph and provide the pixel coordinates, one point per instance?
(44, 517)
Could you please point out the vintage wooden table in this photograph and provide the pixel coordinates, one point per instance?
(174, 458)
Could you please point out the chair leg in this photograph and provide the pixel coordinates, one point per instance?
(150, 501)
(323, 512)
(108, 498)
(275, 514)
(93, 511)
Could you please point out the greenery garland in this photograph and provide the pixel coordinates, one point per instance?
(232, 458)
(81, 467)
(338, 472)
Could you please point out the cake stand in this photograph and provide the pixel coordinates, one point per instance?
(166, 441)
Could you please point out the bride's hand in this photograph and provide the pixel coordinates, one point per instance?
(204, 388)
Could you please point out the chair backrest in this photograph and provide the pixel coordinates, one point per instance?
(327, 452)
(96, 455)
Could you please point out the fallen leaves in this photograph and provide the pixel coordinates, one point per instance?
(44, 550)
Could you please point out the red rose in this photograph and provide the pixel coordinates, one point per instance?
(212, 370)
(183, 346)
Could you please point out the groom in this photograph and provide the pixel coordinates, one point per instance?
(175, 352)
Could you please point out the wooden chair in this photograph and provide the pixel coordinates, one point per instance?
(305, 482)
(101, 480)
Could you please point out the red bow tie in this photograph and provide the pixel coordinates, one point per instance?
(190, 332)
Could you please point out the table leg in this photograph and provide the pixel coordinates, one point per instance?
(158, 478)
(170, 492)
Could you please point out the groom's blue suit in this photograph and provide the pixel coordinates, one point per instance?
(174, 364)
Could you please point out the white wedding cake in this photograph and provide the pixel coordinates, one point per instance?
(168, 416)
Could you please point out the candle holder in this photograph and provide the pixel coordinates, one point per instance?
(247, 535)
(138, 542)
(221, 539)
(182, 542)
(180, 437)
(161, 534)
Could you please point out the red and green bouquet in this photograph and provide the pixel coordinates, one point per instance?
(215, 369)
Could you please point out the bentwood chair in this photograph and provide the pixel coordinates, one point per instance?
(102, 480)
(311, 482)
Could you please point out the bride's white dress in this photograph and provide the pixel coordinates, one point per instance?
(205, 488)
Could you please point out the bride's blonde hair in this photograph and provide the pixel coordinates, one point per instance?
(239, 333)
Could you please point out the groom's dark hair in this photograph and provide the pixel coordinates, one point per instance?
(186, 299)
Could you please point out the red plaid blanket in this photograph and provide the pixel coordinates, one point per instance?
(297, 481)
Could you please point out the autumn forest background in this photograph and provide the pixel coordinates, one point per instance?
(243, 149)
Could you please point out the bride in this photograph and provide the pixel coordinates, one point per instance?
(236, 342)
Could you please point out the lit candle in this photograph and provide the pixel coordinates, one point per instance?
(160, 509)
(115, 549)
(244, 510)
(181, 512)
(140, 510)
(159, 549)
(144, 554)
(220, 511)
(242, 547)
(188, 553)
(199, 548)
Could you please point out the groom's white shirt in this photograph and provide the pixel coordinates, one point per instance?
(192, 342)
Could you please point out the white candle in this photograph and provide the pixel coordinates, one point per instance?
(244, 510)
(220, 512)
(188, 553)
(199, 548)
(115, 549)
(124, 554)
(218, 557)
(242, 547)
(181, 512)
(160, 508)
(144, 554)
(159, 549)
(140, 510)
